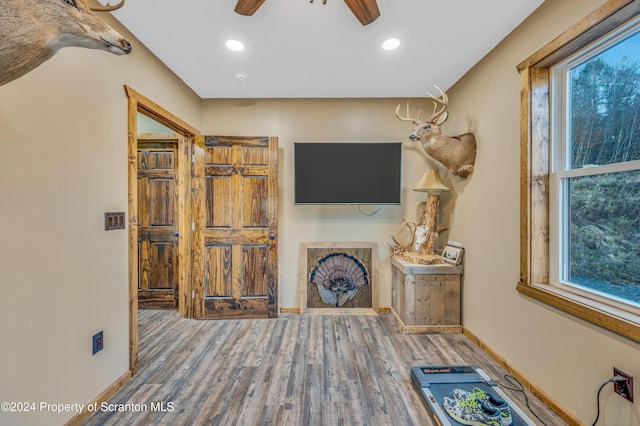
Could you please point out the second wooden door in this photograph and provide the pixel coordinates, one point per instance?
(157, 224)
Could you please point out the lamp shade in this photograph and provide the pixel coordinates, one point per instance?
(431, 182)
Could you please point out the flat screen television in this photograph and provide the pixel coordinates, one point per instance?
(347, 172)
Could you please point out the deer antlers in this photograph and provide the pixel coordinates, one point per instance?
(443, 100)
(107, 7)
(415, 121)
(399, 248)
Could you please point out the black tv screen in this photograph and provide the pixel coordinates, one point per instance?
(347, 172)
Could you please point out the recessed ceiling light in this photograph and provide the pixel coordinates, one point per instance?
(391, 44)
(235, 45)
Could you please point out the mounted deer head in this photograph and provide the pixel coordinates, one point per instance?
(32, 31)
(456, 153)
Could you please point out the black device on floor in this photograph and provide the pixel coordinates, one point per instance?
(434, 383)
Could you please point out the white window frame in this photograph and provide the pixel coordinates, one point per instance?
(561, 169)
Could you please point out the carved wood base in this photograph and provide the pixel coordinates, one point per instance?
(422, 259)
(429, 219)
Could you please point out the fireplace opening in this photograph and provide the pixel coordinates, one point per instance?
(338, 277)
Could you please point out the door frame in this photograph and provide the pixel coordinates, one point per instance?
(138, 103)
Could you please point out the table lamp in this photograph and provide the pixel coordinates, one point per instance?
(433, 186)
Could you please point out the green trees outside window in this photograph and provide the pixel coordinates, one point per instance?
(599, 179)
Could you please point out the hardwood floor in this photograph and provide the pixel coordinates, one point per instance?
(294, 370)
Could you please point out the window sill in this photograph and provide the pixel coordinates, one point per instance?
(615, 320)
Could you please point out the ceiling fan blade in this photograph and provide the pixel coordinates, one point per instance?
(247, 7)
(365, 10)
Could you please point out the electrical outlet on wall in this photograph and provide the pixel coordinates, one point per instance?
(97, 342)
(624, 389)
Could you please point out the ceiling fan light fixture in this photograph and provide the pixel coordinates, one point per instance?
(235, 45)
(391, 44)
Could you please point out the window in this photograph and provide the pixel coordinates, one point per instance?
(595, 172)
(580, 183)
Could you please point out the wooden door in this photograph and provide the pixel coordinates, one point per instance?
(157, 224)
(235, 220)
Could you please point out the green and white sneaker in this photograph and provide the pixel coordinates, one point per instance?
(472, 412)
(488, 400)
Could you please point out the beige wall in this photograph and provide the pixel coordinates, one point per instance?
(294, 120)
(63, 163)
(565, 356)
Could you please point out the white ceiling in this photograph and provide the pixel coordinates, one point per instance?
(298, 49)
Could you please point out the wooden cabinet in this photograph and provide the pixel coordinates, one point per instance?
(426, 298)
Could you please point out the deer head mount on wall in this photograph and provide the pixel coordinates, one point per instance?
(32, 31)
(365, 10)
(456, 153)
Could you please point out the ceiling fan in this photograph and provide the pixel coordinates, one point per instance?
(365, 10)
